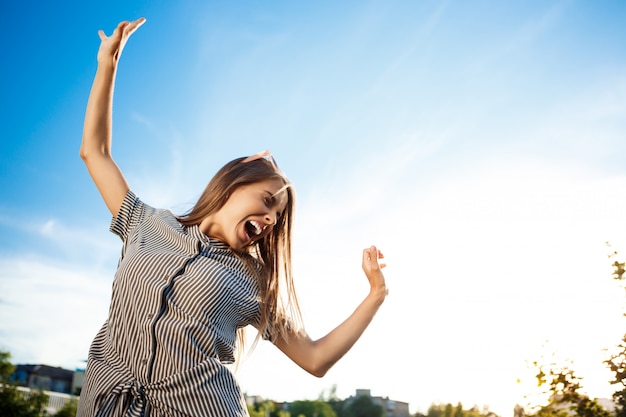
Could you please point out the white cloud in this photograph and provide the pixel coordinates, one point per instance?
(50, 313)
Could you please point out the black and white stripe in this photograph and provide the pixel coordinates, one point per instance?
(178, 299)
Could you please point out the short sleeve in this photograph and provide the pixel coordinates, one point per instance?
(131, 213)
(272, 330)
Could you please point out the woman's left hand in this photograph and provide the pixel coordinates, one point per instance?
(373, 269)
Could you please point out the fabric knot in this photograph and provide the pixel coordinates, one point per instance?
(127, 399)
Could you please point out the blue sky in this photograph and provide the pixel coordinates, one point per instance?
(479, 143)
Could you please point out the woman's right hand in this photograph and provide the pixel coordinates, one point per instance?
(111, 46)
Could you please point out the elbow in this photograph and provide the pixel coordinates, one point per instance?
(321, 360)
(84, 152)
(318, 373)
(320, 369)
(88, 153)
(313, 366)
(314, 357)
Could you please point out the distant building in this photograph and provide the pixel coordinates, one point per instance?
(253, 399)
(48, 378)
(392, 408)
(565, 406)
(607, 403)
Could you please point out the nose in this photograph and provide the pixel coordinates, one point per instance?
(271, 219)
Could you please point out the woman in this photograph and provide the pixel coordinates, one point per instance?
(186, 286)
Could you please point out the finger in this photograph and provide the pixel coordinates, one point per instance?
(133, 26)
(101, 35)
(120, 28)
(369, 253)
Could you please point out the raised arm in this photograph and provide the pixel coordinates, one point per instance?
(95, 149)
(318, 356)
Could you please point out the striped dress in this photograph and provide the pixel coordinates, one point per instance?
(178, 299)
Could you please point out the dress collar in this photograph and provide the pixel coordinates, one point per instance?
(196, 233)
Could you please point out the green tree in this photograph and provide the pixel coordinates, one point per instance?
(563, 387)
(458, 411)
(617, 361)
(308, 408)
(442, 410)
(363, 406)
(68, 410)
(617, 365)
(252, 412)
(255, 411)
(6, 367)
(266, 408)
(13, 403)
(476, 412)
(333, 400)
(435, 410)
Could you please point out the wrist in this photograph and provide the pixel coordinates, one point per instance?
(107, 62)
(106, 71)
(378, 294)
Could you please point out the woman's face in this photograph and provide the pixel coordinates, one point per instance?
(249, 214)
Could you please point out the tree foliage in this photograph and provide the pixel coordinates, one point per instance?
(362, 406)
(563, 388)
(563, 385)
(617, 364)
(6, 367)
(333, 400)
(68, 410)
(13, 403)
(449, 410)
(617, 361)
(267, 408)
(308, 408)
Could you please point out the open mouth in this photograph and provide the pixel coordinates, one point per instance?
(253, 229)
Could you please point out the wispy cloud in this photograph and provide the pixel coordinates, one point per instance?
(50, 313)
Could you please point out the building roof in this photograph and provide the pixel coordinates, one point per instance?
(45, 370)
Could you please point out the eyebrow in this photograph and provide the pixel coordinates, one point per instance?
(274, 195)
(271, 196)
(281, 189)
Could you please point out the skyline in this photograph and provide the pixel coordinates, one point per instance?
(478, 144)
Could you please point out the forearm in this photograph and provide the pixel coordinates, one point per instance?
(317, 357)
(97, 128)
(340, 340)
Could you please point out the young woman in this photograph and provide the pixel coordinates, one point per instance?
(187, 285)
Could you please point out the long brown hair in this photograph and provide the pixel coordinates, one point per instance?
(279, 311)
